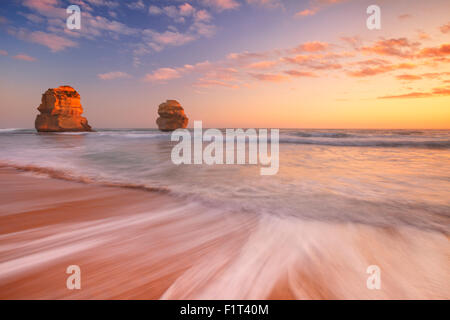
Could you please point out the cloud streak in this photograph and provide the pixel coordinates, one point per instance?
(113, 75)
(414, 95)
(317, 5)
(54, 42)
(24, 57)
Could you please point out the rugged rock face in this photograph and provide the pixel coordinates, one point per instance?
(61, 111)
(172, 116)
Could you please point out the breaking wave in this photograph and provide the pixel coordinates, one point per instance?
(71, 176)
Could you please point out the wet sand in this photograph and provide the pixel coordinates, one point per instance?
(135, 244)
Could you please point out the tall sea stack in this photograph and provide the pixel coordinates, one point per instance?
(61, 111)
(171, 116)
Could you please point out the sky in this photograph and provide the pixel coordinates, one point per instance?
(231, 63)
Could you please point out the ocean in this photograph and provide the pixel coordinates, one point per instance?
(341, 200)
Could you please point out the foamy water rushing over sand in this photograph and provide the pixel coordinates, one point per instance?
(141, 227)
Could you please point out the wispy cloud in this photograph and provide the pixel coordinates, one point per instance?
(200, 27)
(404, 16)
(441, 51)
(445, 28)
(298, 74)
(54, 42)
(422, 35)
(313, 46)
(49, 19)
(244, 57)
(3, 53)
(408, 77)
(262, 65)
(317, 5)
(208, 83)
(162, 75)
(400, 47)
(367, 72)
(93, 26)
(354, 41)
(316, 59)
(24, 57)
(270, 77)
(113, 75)
(414, 95)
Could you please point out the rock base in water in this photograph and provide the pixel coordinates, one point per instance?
(61, 112)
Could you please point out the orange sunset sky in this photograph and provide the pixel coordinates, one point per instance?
(231, 63)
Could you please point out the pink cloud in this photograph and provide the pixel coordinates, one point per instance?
(435, 75)
(155, 10)
(372, 62)
(202, 29)
(317, 5)
(218, 72)
(270, 77)
(441, 51)
(113, 75)
(366, 72)
(408, 95)
(202, 16)
(354, 41)
(158, 41)
(445, 28)
(262, 65)
(53, 42)
(297, 74)
(3, 53)
(207, 83)
(318, 59)
(162, 75)
(306, 12)
(245, 56)
(408, 77)
(435, 92)
(313, 46)
(24, 57)
(400, 47)
(423, 35)
(404, 16)
(186, 9)
(48, 8)
(315, 61)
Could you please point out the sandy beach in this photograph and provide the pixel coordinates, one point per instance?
(133, 244)
(111, 233)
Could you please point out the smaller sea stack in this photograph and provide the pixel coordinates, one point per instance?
(171, 116)
(61, 111)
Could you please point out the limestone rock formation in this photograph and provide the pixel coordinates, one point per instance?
(61, 111)
(171, 116)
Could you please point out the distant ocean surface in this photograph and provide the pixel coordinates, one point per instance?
(375, 177)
